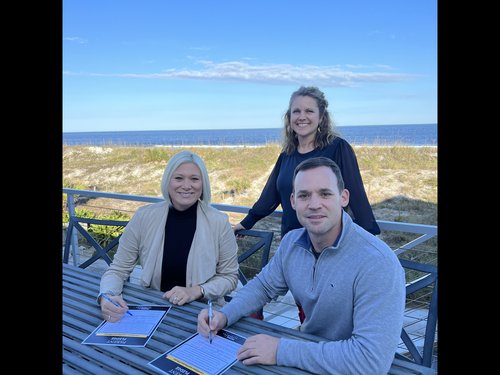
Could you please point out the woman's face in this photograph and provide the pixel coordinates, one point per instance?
(185, 186)
(304, 116)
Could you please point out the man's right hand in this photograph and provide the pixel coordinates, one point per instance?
(219, 321)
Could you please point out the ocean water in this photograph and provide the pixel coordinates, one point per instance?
(410, 135)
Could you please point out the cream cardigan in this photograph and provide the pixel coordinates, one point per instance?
(212, 261)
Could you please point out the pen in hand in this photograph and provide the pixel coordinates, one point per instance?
(210, 320)
(113, 302)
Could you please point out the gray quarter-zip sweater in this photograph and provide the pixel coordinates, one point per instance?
(353, 295)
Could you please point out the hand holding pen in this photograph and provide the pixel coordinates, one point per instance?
(102, 295)
(210, 321)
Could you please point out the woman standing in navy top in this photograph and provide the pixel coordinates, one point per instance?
(309, 133)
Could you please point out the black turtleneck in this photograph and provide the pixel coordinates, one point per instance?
(179, 233)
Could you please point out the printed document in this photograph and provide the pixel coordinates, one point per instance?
(130, 330)
(196, 355)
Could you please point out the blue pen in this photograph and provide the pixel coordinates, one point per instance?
(210, 320)
(113, 302)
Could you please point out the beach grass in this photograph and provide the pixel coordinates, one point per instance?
(400, 181)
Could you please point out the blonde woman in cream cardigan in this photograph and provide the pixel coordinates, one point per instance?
(187, 248)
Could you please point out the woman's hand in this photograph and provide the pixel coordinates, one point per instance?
(110, 311)
(180, 295)
(236, 228)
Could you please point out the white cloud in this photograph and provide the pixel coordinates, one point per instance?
(75, 39)
(235, 71)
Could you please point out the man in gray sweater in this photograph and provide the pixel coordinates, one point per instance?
(348, 282)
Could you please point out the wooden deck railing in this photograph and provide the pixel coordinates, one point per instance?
(421, 234)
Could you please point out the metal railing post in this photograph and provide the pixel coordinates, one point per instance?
(74, 234)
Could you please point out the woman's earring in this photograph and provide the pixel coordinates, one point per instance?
(319, 130)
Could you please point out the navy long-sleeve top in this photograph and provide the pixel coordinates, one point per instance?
(278, 188)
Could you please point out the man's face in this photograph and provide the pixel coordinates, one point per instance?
(318, 201)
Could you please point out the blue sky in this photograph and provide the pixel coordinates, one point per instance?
(227, 64)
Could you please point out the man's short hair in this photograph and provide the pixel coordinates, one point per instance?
(320, 161)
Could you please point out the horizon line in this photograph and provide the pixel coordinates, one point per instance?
(209, 129)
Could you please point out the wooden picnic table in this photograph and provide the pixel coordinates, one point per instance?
(81, 315)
